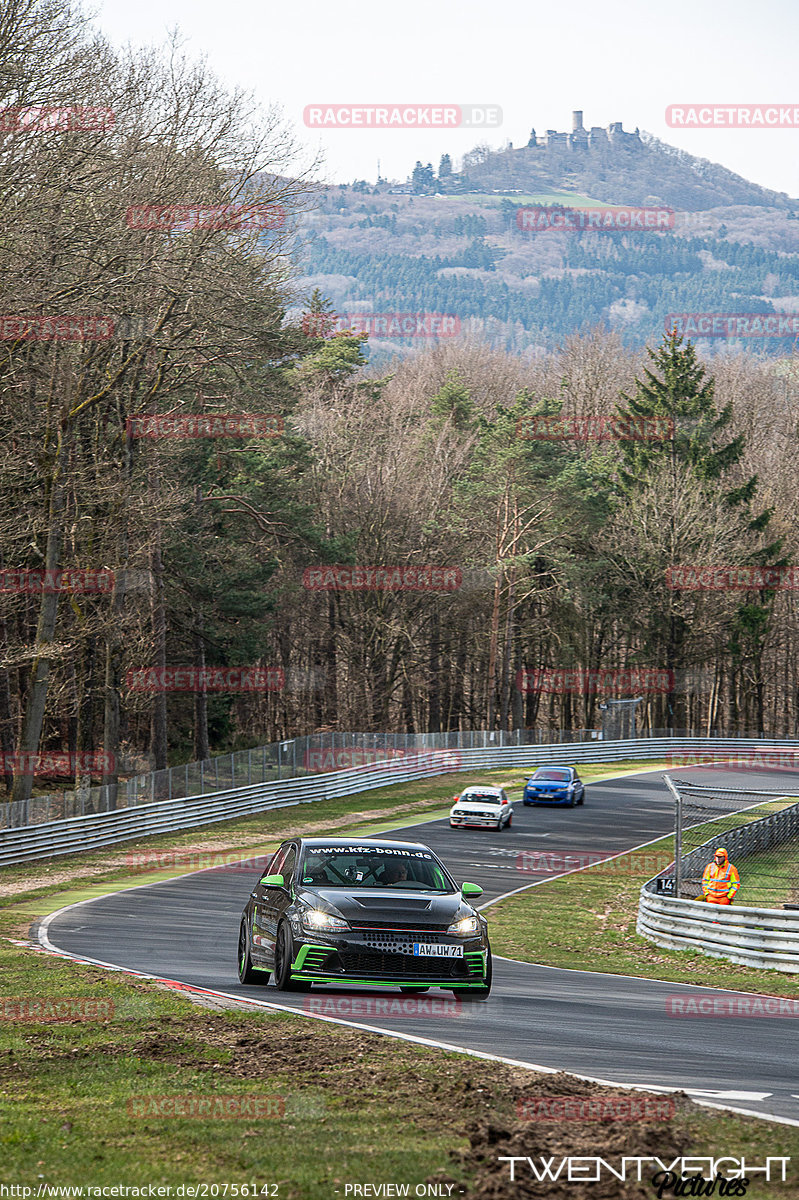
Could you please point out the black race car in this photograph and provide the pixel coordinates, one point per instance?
(338, 910)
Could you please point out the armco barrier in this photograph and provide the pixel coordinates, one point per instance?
(103, 829)
(756, 937)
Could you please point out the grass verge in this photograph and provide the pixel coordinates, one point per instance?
(303, 1107)
(586, 921)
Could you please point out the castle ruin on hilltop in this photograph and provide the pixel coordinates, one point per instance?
(581, 138)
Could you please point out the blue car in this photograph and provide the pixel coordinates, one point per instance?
(554, 785)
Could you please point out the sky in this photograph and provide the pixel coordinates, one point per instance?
(535, 62)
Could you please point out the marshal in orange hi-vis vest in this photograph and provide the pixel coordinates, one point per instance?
(720, 880)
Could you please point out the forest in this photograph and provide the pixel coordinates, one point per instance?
(221, 527)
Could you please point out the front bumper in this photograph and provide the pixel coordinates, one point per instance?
(548, 797)
(476, 820)
(384, 957)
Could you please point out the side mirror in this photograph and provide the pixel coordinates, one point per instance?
(273, 881)
(527, 778)
(455, 798)
(471, 889)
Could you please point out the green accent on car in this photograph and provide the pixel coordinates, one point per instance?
(272, 881)
(447, 984)
(317, 954)
(476, 962)
(471, 889)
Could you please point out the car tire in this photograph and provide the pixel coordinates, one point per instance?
(477, 993)
(247, 972)
(510, 820)
(284, 956)
(582, 797)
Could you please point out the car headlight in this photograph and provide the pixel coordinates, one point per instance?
(465, 927)
(321, 922)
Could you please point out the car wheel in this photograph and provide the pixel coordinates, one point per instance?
(284, 956)
(582, 797)
(510, 820)
(247, 972)
(477, 993)
(573, 801)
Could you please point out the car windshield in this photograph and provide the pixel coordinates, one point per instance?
(481, 797)
(373, 867)
(553, 774)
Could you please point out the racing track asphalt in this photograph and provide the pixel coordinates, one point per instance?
(607, 1027)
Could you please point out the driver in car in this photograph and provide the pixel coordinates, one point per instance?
(395, 872)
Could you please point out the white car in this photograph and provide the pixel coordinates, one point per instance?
(481, 808)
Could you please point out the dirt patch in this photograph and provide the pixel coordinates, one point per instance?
(560, 1138)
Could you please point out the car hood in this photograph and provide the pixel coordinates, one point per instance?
(477, 805)
(394, 906)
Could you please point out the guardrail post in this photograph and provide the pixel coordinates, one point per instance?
(677, 836)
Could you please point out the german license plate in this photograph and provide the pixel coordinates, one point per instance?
(434, 950)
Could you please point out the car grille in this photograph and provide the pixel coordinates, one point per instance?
(402, 966)
(399, 943)
(387, 926)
